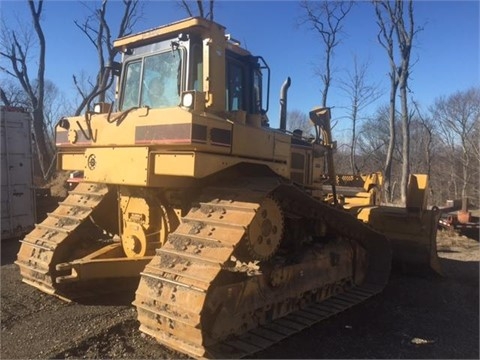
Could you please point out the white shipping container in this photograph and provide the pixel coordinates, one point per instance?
(18, 194)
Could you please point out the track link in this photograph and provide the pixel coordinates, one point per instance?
(53, 240)
(190, 300)
(269, 334)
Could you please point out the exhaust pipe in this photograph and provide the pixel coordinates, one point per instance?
(283, 104)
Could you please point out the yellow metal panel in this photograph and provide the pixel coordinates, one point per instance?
(199, 165)
(179, 164)
(214, 70)
(71, 161)
(114, 165)
(123, 131)
(281, 150)
(417, 191)
(253, 142)
(191, 164)
(151, 34)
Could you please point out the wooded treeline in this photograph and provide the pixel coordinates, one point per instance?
(401, 137)
(444, 143)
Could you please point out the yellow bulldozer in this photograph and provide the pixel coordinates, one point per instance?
(235, 234)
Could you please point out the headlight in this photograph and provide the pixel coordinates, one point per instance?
(102, 108)
(187, 100)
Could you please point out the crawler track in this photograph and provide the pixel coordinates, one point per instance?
(58, 237)
(195, 298)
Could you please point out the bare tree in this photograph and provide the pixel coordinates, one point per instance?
(326, 18)
(396, 23)
(12, 94)
(98, 30)
(360, 94)
(373, 139)
(373, 145)
(298, 120)
(459, 120)
(15, 47)
(55, 106)
(424, 137)
(187, 6)
(386, 40)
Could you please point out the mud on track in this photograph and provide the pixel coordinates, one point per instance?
(441, 313)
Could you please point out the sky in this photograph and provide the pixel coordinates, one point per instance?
(445, 54)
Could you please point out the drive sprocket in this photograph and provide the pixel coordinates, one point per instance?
(265, 233)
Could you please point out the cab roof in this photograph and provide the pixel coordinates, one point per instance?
(195, 25)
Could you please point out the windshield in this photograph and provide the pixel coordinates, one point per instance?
(153, 81)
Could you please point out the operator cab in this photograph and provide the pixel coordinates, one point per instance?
(161, 65)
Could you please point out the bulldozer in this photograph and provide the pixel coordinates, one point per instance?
(233, 234)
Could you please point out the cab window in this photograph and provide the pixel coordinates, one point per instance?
(235, 87)
(196, 82)
(154, 81)
(132, 89)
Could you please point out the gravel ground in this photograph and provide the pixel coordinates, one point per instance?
(414, 317)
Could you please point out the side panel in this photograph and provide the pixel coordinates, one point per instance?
(301, 164)
(176, 164)
(252, 142)
(17, 193)
(138, 150)
(70, 161)
(199, 165)
(113, 165)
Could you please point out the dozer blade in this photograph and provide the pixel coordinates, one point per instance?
(412, 235)
(412, 229)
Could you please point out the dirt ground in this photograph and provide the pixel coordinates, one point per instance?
(414, 317)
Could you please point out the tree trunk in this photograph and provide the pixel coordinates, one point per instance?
(354, 139)
(327, 77)
(43, 153)
(391, 143)
(405, 141)
(465, 179)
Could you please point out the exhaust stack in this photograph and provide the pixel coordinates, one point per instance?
(283, 103)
